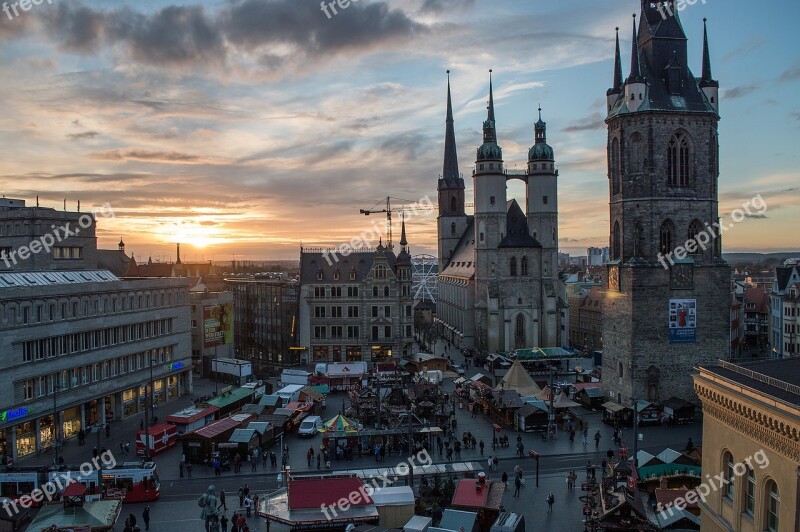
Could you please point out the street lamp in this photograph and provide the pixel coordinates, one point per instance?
(56, 440)
(148, 409)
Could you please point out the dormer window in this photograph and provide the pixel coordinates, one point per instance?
(352, 275)
(319, 275)
(336, 275)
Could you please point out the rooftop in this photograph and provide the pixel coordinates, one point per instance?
(49, 278)
(779, 379)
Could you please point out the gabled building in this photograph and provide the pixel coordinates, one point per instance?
(356, 307)
(784, 306)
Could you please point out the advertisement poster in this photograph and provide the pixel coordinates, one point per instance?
(217, 325)
(682, 321)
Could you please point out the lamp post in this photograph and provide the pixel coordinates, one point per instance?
(148, 409)
(410, 446)
(635, 434)
(56, 440)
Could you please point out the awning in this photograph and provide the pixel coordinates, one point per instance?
(612, 406)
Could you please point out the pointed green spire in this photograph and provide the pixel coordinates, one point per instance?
(636, 67)
(705, 78)
(450, 168)
(617, 66)
(491, 98)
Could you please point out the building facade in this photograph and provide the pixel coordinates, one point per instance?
(784, 303)
(78, 344)
(597, 256)
(586, 319)
(265, 323)
(498, 269)
(666, 306)
(756, 321)
(751, 445)
(356, 307)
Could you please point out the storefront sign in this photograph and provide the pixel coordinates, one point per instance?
(11, 415)
(175, 365)
(682, 321)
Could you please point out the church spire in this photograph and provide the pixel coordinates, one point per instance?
(491, 99)
(636, 67)
(403, 241)
(617, 67)
(705, 78)
(489, 131)
(450, 168)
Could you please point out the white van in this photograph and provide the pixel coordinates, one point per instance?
(309, 427)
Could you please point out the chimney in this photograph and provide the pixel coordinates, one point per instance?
(179, 254)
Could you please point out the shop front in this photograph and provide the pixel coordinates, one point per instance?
(71, 422)
(47, 432)
(130, 405)
(94, 414)
(25, 438)
(381, 352)
(158, 395)
(354, 353)
(320, 353)
(172, 387)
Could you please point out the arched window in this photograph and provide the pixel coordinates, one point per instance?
(666, 235)
(615, 243)
(614, 166)
(635, 153)
(519, 332)
(513, 268)
(453, 205)
(453, 228)
(727, 464)
(385, 291)
(712, 155)
(524, 266)
(750, 492)
(678, 153)
(773, 506)
(694, 229)
(620, 370)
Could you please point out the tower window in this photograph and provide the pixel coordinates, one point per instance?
(635, 153)
(453, 228)
(615, 242)
(666, 234)
(694, 229)
(678, 153)
(614, 167)
(524, 266)
(513, 269)
(491, 200)
(481, 237)
(544, 200)
(712, 155)
(453, 206)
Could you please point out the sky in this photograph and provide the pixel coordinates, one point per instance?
(247, 128)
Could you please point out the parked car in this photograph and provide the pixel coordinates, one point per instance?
(310, 426)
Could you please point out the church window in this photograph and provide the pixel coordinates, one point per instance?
(678, 153)
(453, 204)
(491, 200)
(544, 200)
(546, 268)
(453, 228)
(481, 237)
(519, 332)
(666, 234)
(614, 169)
(524, 265)
(620, 369)
(712, 155)
(694, 229)
(513, 271)
(615, 242)
(635, 152)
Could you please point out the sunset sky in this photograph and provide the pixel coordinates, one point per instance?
(247, 128)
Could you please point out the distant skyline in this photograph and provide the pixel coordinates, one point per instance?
(246, 128)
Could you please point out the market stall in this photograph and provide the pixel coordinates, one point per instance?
(617, 415)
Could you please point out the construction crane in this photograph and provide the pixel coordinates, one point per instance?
(403, 208)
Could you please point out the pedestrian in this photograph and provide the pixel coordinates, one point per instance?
(383, 453)
(254, 461)
(440, 444)
(597, 440)
(146, 517)
(222, 500)
(319, 460)
(108, 435)
(495, 460)
(132, 520)
(180, 468)
(246, 490)
(264, 459)
(273, 459)
(585, 436)
(189, 470)
(550, 500)
(481, 446)
(141, 424)
(504, 478)
(309, 456)
(248, 506)
(223, 521)
(121, 447)
(569, 481)
(610, 454)
(241, 496)
(127, 447)
(95, 454)
(517, 485)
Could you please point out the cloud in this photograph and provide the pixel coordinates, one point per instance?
(754, 42)
(437, 6)
(153, 156)
(587, 123)
(84, 135)
(792, 73)
(738, 92)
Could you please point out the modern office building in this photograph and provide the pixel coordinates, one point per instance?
(78, 345)
(751, 445)
(265, 323)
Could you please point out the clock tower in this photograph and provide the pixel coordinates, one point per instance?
(667, 290)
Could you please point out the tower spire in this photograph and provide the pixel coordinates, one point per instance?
(491, 98)
(450, 168)
(705, 78)
(403, 241)
(617, 86)
(636, 69)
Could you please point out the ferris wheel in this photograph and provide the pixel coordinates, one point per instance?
(425, 271)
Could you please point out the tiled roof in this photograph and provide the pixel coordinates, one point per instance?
(312, 262)
(779, 379)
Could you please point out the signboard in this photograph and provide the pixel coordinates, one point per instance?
(11, 415)
(217, 325)
(682, 321)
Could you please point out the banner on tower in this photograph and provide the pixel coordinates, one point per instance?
(682, 321)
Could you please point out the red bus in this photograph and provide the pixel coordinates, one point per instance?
(131, 482)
